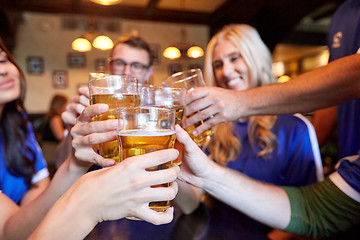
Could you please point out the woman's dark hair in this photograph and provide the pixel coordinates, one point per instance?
(19, 157)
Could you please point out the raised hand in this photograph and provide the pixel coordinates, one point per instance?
(213, 104)
(87, 133)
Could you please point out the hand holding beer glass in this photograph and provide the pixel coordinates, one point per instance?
(116, 91)
(189, 80)
(143, 130)
(167, 97)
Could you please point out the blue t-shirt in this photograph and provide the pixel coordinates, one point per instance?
(349, 170)
(295, 161)
(343, 40)
(15, 187)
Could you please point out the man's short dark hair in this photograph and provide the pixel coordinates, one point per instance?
(136, 42)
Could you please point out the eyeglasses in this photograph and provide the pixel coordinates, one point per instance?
(119, 66)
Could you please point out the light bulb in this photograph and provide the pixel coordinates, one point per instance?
(195, 52)
(103, 43)
(172, 53)
(81, 45)
(106, 2)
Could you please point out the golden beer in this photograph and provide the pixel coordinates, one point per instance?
(138, 142)
(200, 138)
(179, 112)
(111, 149)
(179, 116)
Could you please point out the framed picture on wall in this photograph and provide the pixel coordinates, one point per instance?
(155, 52)
(76, 60)
(174, 68)
(100, 65)
(35, 65)
(60, 79)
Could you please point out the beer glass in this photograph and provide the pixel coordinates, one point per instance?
(143, 130)
(116, 91)
(167, 97)
(190, 79)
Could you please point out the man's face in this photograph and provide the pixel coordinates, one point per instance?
(131, 61)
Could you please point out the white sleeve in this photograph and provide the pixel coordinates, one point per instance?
(40, 175)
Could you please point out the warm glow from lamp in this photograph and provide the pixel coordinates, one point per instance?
(106, 2)
(284, 78)
(195, 52)
(103, 42)
(172, 53)
(81, 45)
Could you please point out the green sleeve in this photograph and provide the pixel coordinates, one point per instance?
(321, 209)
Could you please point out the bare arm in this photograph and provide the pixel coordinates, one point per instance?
(264, 202)
(97, 197)
(324, 122)
(85, 133)
(35, 190)
(323, 87)
(188, 198)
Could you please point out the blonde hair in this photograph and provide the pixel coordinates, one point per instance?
(224, 146)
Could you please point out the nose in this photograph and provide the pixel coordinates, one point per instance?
(127, 70)
(3, 70)
(227, 70)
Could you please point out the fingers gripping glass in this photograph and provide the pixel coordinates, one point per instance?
(135, 67)
(189, 80)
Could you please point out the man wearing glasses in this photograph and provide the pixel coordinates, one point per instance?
(131, 56)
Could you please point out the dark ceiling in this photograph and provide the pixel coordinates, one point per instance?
(274, 19)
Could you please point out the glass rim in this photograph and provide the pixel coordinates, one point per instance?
(119, 109)
(186, 71)
(187, 75)
(177, 89)
(110, 76)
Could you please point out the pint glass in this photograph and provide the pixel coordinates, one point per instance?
(144, 130)
(116, 91)
(189, 80)
(167, 97)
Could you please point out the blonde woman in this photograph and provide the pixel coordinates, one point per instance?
(282, 150)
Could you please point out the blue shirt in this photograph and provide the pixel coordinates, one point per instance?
(343, 40)
(15, 187)
(295, 161)
(349, 170)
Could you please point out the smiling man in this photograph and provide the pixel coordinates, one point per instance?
(131, 56)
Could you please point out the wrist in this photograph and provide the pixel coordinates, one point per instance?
(212, 177)
(76, 167)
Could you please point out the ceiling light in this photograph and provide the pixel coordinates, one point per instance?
(106, 2)
(81, 44)
(183, 50)
(195, 52)
(103, 42)
(172, 53)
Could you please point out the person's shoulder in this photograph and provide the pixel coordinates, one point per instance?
(293, 120)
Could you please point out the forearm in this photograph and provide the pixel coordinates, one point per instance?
(63, 149)
(28, 217)
(56, 224)
(325, 86)
(265, 203)
(188, 197)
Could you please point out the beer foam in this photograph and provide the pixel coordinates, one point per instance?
(147, 133)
